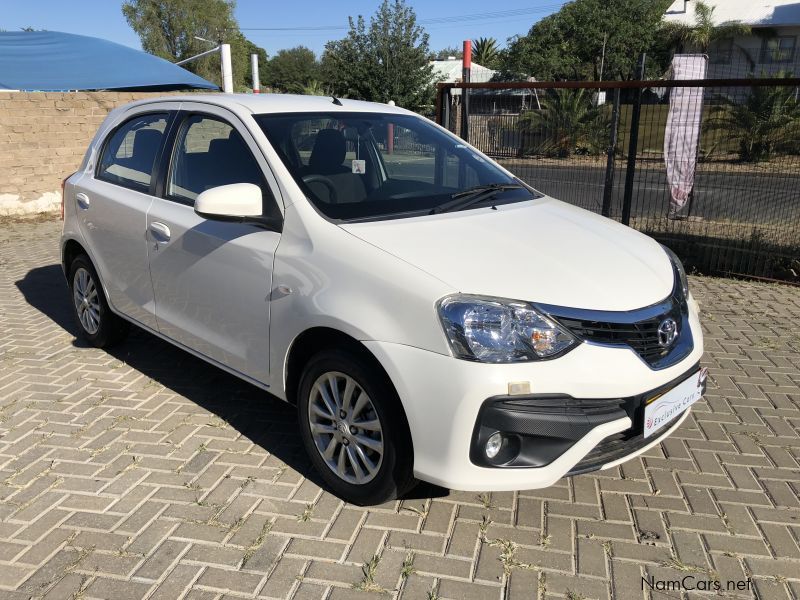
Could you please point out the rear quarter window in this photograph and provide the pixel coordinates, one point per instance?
(129, 153)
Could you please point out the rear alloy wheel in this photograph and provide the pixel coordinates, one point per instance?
(96, 323)
(353, 428)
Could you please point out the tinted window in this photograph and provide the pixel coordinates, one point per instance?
(209, 153)
(130, 153)
(376, 165)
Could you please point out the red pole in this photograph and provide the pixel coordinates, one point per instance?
(466, 68)
(390, 134)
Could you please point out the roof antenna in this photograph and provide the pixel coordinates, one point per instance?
(336, 101)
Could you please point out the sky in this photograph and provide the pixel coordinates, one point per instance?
(476, 18)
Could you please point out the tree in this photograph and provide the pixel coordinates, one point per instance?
(386, 61)
(170, 28)
(768, 121)
(485, 52)
(703, 32)
(446, 53)
(567, 117)
(292, 70)
(570, 44)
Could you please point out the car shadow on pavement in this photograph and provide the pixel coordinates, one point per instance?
(259, 416)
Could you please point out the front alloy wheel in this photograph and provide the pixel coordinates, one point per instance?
(345, 428)
(354, 428)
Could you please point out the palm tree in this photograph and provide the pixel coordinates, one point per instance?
(313, 88)
(485, 52)
(765, 123)
(567, 117)
(704, 31)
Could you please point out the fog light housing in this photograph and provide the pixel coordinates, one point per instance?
(493, 445)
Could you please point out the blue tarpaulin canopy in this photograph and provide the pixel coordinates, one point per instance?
(54, 61)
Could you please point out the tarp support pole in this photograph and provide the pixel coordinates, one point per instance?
(254, 73)
(227, 69)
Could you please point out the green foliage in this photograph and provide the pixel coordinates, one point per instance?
(314, 88)
(566, 121)
(387, 60)
(569, 44)
(446, 53)
(485, 52)
(699, 36)
(767, 122)
(167, 28)
(292, 70)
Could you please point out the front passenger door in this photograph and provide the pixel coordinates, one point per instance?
(212, 279)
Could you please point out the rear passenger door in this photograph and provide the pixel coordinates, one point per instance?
(112, 204)
(212, 279)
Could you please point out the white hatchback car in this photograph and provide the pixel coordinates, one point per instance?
(432, 316)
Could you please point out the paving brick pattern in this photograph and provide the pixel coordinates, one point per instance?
(144, 473)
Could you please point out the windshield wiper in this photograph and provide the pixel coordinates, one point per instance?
(473, 195)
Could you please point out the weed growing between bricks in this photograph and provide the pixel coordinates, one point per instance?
(145, 473)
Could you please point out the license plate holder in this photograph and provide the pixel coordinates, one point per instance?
(662, 409)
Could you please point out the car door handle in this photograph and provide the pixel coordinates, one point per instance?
(82, 200)
(160, 232)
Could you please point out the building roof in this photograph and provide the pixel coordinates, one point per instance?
(55, 61)
(756, 13)
(449, 71)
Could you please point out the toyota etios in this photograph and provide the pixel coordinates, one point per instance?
(431, 315)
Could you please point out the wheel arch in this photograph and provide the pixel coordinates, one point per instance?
(71, 249)
(316, 339)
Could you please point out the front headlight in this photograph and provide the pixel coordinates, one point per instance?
(681, 272)
(494, 330)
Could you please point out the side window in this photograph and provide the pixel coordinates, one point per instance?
(130, 153)
(208, 153)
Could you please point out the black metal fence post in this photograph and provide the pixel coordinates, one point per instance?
(633, 144)
(608, 186)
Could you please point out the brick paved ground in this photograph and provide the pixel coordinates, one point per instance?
(146, 473)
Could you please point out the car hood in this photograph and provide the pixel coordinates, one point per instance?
(541, 251)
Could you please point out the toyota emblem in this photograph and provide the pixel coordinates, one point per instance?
(667, 332)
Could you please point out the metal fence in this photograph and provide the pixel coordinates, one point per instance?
(601, 146)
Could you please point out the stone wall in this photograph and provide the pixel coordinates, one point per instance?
(43, 137)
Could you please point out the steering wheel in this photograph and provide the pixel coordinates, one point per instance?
(332, 196)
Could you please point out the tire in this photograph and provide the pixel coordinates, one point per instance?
(365, 397)
(97, 324)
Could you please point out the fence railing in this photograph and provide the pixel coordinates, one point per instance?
(709, 167)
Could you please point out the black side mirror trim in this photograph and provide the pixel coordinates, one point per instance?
(263, 222)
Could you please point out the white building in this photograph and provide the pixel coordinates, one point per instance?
(449, 71)
(772, 46)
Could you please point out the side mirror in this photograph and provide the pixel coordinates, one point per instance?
(234, 202)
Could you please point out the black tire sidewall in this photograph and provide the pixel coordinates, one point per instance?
(109, 322)
(394, 475)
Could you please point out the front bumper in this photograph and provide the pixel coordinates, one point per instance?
(537, 429)
(443, 397)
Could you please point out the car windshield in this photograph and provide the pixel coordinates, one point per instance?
(367, 166)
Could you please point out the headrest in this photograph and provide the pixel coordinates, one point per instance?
(329, 151)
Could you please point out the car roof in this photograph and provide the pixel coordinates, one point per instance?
(277, 103)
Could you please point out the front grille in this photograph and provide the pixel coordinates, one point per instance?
(637, 330)
(566, 405)
(641, 336)
(618, 446)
